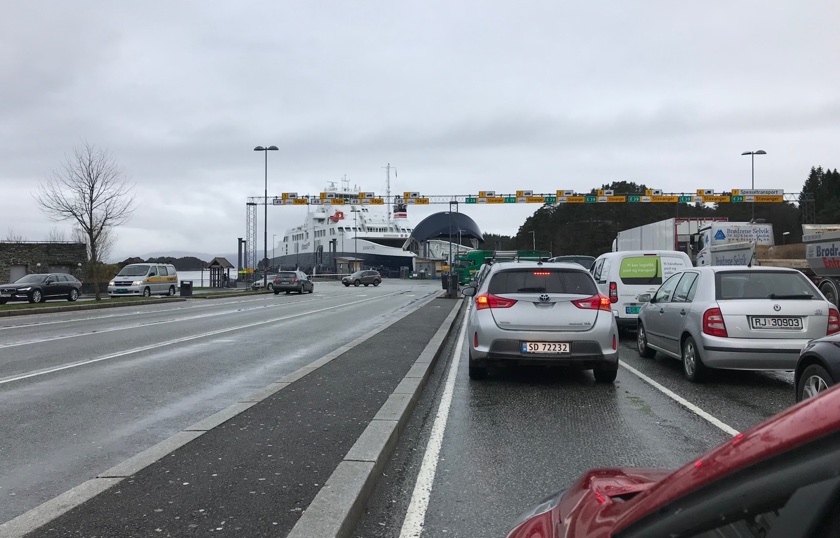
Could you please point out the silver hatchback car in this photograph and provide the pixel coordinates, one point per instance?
(739, 318)
(528, 312)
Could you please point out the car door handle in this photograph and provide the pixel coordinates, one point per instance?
(682, 312)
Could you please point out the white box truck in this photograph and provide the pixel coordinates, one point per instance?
(668, 234)
(730, 243)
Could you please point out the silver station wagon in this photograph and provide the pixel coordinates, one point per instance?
(527, 312)
(741, 318)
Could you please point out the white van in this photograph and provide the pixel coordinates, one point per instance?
(144, 279)
(623, 276)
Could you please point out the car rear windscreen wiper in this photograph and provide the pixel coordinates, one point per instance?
(792, 296)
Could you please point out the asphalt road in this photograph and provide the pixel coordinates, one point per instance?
(81, 392)
(521, 435)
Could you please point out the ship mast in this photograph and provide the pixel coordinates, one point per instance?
(387, 168)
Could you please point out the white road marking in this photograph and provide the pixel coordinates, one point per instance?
(682, 401)
(177, 341)
(42, 340)
(416, 515)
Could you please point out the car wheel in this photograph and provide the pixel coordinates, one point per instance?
(356, 283)
(478, 371)
(829, 289)
(366, 285)
(375, 282)
(3, 301)
(693, 366)
(36, 297)
(270, 287)
(288, 292)
(312, 288)
(300, 291)
(605, 375)
(641, 343)
(74, 294)
(346, 284)
(171, 292)
(814, 380)
(147, 292)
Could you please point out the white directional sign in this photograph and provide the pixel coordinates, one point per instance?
(761, 192)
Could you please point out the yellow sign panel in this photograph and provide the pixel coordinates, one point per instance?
(496, 200)
(421, 201)
(377, 201)
(715, 199)
(337, 201)
(736, 192)
(665, 199)
(765, 199)
(535, 199)
(616, 199)
(575, 199)
(300, 201)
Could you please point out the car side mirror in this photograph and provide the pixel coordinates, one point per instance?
(645, 298)
(468, 291)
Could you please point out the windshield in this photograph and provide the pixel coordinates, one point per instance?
(134, 270)
(31, 279)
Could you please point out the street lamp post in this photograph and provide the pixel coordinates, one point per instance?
(273, 244)
(265, 150)
(752, 155)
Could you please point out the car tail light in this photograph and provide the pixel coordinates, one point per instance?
(596, 302)
(613, 292)
(615, 344)
(833, 321)
(713, 324)
(488, 300)
(294, 280)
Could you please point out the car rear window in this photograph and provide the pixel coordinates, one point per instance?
(286, 275)
(542, 280)
(763, 285)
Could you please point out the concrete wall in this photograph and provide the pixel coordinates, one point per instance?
(19, 259)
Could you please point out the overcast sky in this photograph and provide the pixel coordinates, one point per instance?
(459, 96)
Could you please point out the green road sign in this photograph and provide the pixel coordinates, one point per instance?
(470, 201)
(510, 200)
(551, 199)
(686, 199)
(591, 199)
(634, 198)
(737, 198)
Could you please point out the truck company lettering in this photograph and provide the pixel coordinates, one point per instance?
(832, 251)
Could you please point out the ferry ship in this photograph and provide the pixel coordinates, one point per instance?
(332, 233)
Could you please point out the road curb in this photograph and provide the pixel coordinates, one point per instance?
(338, 506)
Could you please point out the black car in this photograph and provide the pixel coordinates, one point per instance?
(38, 287)
(818, 367)
(366, 277)
(290, 281)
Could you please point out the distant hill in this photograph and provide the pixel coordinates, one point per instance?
(184, 254)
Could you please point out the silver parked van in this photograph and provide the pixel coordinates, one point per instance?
(144, 279)
(623, 276)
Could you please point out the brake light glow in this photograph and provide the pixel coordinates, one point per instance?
(613, 292)
(542, 273)
(488, 300)
(713, 324)
(596, 302)
(833, 321)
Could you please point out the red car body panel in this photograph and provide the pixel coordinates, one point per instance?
(605, 501)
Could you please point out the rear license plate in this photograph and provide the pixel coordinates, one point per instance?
(632, 309)
(762, 322)
(546, 347)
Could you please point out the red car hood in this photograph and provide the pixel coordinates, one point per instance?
(604, 501)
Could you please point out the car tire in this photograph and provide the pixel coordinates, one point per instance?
(288, 292)
(814, 379)
(605, 375)
(375, 283)
(693, 366)
(73, 295)
(366, 285)
(346, 284)
(641, 343)
(478, 371)
(312, 288)
(36, 296)
(147, 292)
(171, 292)
(270, 287)
(3, 301)
(356, 283)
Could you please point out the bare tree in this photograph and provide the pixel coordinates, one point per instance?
(13, 237)
(56, 236)
(91, 189)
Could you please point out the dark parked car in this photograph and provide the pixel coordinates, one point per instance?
(818, 367)
(290, 281)
(780, 478)
(37, 288)
(366, 277)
